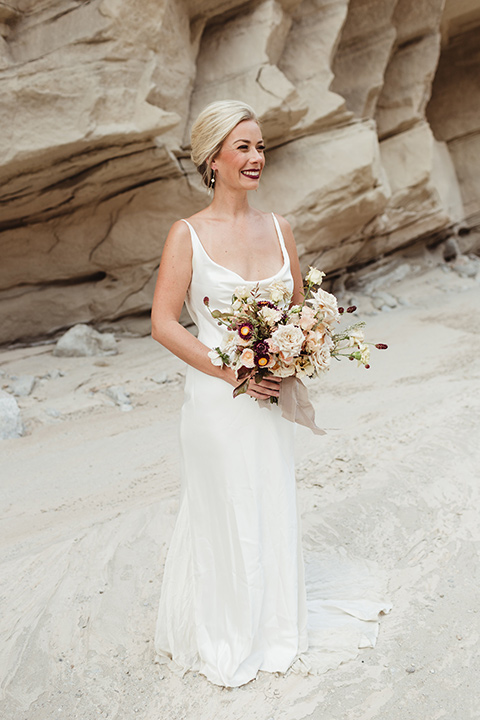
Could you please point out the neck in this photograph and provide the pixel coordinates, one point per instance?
(229, 203)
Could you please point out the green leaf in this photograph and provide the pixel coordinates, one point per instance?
(242, 388)
(219, 315)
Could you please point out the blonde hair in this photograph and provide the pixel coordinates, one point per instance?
(211, 128)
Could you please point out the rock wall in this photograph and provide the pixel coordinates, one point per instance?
(97, 98)
(454, 110)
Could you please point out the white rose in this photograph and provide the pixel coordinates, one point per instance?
(321, 359)
(271, 315)
(241, 292)
(326, 303)
(355, 337)
(314, 276)
(278, 291)
(288, 338)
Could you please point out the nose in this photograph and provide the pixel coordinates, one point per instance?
(256, 155)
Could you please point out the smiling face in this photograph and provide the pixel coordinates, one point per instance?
(241, 159)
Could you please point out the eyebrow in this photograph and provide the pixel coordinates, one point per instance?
(247, 141)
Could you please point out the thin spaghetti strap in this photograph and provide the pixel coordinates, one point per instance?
(189, 226)
(280, 237)
(193, 235)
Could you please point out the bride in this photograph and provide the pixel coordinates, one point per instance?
(233, 597)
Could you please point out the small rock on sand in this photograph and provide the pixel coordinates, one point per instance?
(160, 378)
(82, 341)
(11, 425)
(120, 397)
(22, 385)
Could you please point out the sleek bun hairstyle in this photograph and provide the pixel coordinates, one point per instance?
(211, 128)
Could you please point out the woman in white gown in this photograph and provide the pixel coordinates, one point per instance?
(233, 598)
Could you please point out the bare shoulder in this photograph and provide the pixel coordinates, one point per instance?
(179, 229)
(200, 217)
(262, 218)
(177, 250)
(179, 235)
(284, 224)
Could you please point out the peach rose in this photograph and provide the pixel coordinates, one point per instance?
(307, 318)
(247, 358)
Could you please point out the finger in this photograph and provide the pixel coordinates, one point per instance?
(264, 392)
(259, 396)
(270, 387)
(259, 389)
(270, 379)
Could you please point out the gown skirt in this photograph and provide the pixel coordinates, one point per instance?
(234, 593)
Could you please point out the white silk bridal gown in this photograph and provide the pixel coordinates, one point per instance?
(233, 598)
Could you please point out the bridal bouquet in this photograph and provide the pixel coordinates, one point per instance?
(272, 337)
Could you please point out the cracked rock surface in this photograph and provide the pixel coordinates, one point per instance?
(370, 112)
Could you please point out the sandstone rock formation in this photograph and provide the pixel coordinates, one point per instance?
(96, 102)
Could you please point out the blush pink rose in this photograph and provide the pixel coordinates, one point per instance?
(307, 318)
(247, 358)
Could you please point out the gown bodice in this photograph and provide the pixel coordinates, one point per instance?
(209, 279)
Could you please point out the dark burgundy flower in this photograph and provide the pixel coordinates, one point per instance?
(381, 346)
(245, 330)
(262, 360)
(351, 309)
(265, 303)
(341, 310)
(261, 348)
(367, 367)
(206, 300)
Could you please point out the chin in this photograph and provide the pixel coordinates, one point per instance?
(251, 184)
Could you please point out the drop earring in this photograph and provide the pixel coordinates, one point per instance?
(212, 180)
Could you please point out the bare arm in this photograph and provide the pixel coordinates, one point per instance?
(174, 277)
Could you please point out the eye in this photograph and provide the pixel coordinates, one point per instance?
(242, 147)
(261, 148)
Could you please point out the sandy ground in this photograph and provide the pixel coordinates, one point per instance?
(90, 493)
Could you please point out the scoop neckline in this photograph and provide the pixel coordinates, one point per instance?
(281, 242)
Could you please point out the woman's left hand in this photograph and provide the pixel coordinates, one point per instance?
(268, 387)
